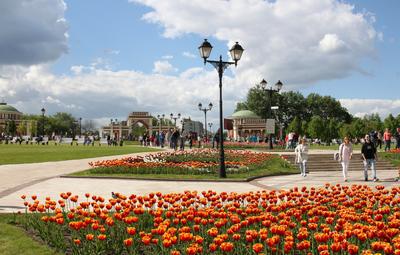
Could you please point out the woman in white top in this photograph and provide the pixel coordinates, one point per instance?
(301, 152)
(345, 154)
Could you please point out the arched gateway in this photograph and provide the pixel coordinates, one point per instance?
(123, 129)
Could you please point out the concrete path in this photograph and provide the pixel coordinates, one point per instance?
(16, 176)
(42, 179)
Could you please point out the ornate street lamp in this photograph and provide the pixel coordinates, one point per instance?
(80, 127)
(270, 91)
(175, 117)
(205, 110)
(236, 53)
(160, 119)
(43, 112)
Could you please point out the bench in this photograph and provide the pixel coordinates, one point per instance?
(103, 141)
(66, 140)
(80, 140)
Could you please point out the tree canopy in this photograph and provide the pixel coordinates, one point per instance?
(315, 115)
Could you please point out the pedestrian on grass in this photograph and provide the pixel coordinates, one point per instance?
(345, 155)
(368, 152)
(301, 152)
(387, 137)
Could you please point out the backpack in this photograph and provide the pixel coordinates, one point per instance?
(336, 155)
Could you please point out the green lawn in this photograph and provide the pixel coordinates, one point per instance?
(16, 154)
(394, 158)
(274, 167)
(14, 241)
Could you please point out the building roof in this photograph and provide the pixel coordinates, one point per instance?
(244, 114)
(8, 108)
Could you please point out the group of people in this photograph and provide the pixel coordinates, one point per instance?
(291, 139)
(173, 137)
(386, 138)
(345, 154)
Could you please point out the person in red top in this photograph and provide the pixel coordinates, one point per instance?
(387, 137)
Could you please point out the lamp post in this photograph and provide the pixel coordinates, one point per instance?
(111, 129)
(270, 91)
(210, 125)
(80, 126)
(236, 53)
(160, 119)
(205, 110)
(175, 117)
(43, 112)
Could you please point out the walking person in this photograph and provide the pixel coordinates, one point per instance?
(345, 155)
(301, 152)
(379, 140)
(397, 137)
(387, 137)
(368, 152)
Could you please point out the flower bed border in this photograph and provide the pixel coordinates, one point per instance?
(244, 180)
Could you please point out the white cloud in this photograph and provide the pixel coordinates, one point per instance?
(361, 107)
(188, 54)
(163, 66)
(281, 38)
(331, 43)
(77, 69)
(99, 93)
(32, 32)
(167, 57)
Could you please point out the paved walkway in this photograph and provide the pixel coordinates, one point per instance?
(42, 179)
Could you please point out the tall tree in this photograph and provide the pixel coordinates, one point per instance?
(295, 126)
(391, 123)
(326, 107)
(316, 127)
(241, 106)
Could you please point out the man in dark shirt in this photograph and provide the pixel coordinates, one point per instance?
(368, 152)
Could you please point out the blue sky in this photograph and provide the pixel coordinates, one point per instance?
(104, 58)
(118, 26)
(383, 76)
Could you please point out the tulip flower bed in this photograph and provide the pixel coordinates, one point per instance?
(203, 162)
(330, 220)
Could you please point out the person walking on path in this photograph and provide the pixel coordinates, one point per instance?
(345, 155)
(387, 137)
(301, 152)
(368, 152)
(379, 140)
(397, 137)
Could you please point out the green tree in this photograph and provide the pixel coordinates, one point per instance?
(357, 128)
(316, 127)
(345, 130)
(295, 126)
(22, 128)
(326, 107)
(60, 123)
(11, 128)
(331, 130)
(291, 104)
(241, 106)
(304, 128)
(372, 123)
(391, 123)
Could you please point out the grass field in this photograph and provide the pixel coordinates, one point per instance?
(16, 154)
(14, 241)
